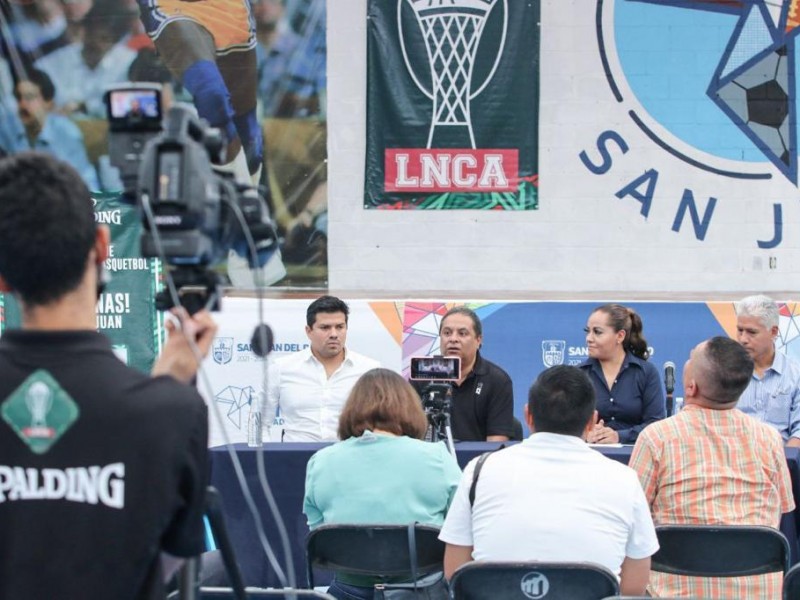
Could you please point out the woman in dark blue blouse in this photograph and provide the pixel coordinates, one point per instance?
(629, 391)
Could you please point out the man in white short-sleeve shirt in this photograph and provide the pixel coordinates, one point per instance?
(311, 386)
(552, 497)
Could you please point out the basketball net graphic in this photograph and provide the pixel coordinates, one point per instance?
(452, 31)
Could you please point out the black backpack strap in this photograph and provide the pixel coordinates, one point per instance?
(476, 473)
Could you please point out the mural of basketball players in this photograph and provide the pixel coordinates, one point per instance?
(210, 48)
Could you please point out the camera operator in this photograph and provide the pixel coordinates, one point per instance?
(101, 466)
(483, 399)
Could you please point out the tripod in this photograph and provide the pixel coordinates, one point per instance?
(437, 399)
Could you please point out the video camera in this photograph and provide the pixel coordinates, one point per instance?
(440, 372)
(192, 214)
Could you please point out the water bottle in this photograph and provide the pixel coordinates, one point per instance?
(254, 427)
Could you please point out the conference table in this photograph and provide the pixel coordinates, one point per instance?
(285, 467)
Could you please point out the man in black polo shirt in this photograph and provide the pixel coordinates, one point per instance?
(102, 468)
(483, 399)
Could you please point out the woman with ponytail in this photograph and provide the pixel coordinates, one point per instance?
(628, 389)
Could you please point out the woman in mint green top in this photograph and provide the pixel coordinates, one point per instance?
(381, 471)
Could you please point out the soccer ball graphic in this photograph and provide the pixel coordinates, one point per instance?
(759, 98)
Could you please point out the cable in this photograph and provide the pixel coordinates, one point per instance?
(237, 467)
(262, 475)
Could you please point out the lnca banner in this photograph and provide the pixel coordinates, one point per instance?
(452, 104)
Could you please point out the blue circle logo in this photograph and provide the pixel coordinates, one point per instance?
(711, 82)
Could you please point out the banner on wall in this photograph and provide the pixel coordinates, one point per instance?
(272, 59)
(452, 104)
(126, 311)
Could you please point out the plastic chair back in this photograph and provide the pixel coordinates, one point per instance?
(379, 551)
(791, 584)
(720, 550)
(526, 580)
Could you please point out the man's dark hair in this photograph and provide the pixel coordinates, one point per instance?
(325, 304)
(561, 400)
(47, 226)
(463, 310)
(728, 369)
(41, 80)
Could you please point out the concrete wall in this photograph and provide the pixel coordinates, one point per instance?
(591, 233)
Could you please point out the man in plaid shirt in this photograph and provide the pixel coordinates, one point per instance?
(713, 465)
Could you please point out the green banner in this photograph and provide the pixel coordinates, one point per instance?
(452, 104)
(126, 311)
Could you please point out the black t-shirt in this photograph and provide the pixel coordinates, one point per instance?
(482, 405)
(124, 479)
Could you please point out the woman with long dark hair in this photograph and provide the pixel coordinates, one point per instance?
(628, 388)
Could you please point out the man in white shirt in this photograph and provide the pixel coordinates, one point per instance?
(311, 386)
(552, 497)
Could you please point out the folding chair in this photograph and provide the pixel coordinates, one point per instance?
(791, 584)
(526, 580)
(720, 550)
(379, 551)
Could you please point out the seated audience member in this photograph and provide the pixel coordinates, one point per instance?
(101, 467)
(483, 399)
(311, 386)
(552, 497)
(628, 389)
(37, 127)
(712, 465)
(773, 394)
(83, 69)
(381, 471)
(36, 27)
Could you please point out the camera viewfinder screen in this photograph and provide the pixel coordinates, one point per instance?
(135, 104)
(435, 368)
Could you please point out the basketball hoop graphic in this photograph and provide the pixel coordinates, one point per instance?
(452, 32)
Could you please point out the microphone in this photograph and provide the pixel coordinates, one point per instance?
(669, 385)
(261, 342)
(669, 376)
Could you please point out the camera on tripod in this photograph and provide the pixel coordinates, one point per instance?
(192, 214)
(439, 372)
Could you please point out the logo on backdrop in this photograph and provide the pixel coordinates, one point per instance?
(222, 350)
(553, 352)
(534, 585)
(449, 109)
(234, 402)
(738, 92)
